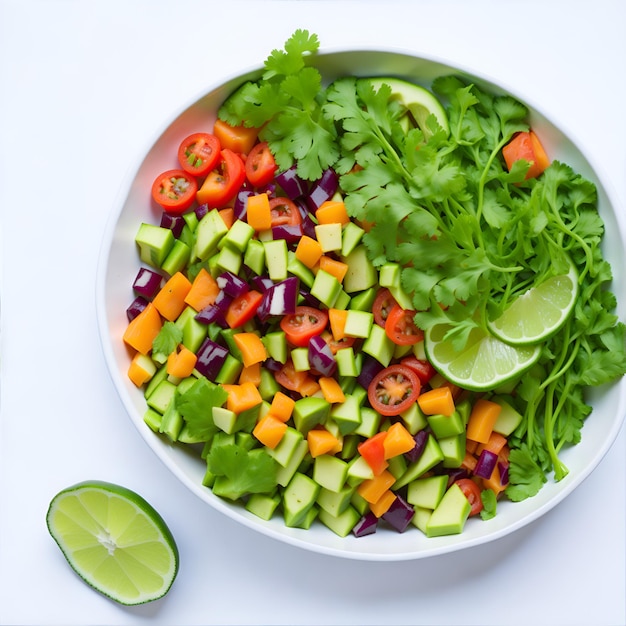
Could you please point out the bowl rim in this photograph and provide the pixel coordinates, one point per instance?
(338, 547)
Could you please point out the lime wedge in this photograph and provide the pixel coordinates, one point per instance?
(484, 364)
(114, 540)
(417, 99)
(540, 312)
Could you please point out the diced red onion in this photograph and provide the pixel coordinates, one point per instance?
(486, 464)
(324, 189)
(174, 222)
(455, 474)
(201, 210)
(370, 368)
(504, 473)
(367, 525)
(291, 233)
(272, 364)
(309, 298)
(231, 284)
(420, 437)
(399, 514)
(211, 314)
(279, 299)
(321, 358)
(291, 183)
(240, 207)
(261, 283)
(136, 307)
(308, 227)
(147, 283)
(211, 357)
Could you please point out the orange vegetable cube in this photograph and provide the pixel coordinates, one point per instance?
(181, 362)
(228, 216)
(282, 406)
(252, 348)
(372, 489)
(251, 374)
(333, 267)
(242, 397)
(142, 368)
(308, 251)
(438, 401)
(269, 430)
(495, 443)
(526, 146)
(482, 419)
(258, 213)
(143, 329)
(204, 291)
(398, 441)
(321, 441)
(332, 212)
(236, 138)
(170, 300)
(331, 390)
(337, 319)
(382, 505)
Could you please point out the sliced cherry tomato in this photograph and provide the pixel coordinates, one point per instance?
(199, 153)
(383, 303)
(337, 344)
(175, 191)
(284, 212)
(401, 328)
(373, 451)
(289, 378)
(393, 390)
(223, 181)
(424, 370)
(472, 492)
(243, 308)
(260, 165)
(305, 323)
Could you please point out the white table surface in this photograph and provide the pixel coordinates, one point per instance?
(83, 88)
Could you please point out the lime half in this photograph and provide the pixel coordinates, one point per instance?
(114, 540)
(485, 363)
(540, 312)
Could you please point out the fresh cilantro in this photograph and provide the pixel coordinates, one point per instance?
(525, 476)
(167, 340)
(490, 502)
(196, 404)
(240, 471)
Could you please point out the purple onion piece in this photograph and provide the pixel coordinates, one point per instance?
(201, 210)
(222, 301)
(324, 189)
(291, 233)
(309, 298)
(174, 222)
(272, 364)
(289, 181)
(456, 474)
(366, 525)
(269, 189)
(240, 207)
(261, 283)
(231, 284)
(147, 283)
(504, 473)
(211, 357)
(211, 314)
(321, 358)
(399, 514)
(486, 464)
(136, 307)
(308, 227)
(421, 438)
(279, 299)
(370, 368)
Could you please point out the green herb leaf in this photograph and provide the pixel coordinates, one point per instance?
(196, 406)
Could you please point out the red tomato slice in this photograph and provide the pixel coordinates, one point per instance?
(289, 378)
(383, 303)
(424, 370)
(337, 344)
(284, 212)
(223, 181)
(174, 190)
(401, 328)
(393, 390)
(260, 165)
(199, 153)
(472, 492)
(305, 323)
(243, 308)
(373, 451)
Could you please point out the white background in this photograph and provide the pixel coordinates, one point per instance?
(84, 86)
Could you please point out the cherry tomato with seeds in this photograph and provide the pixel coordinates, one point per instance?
(423, 368)
(284, 212)
(175, 191)
(243, 308)
(393, 390)
(472, 492)
(337, 344)
(260, 165)
(199, 153)
(304, 323)
(289, 378)
(383, 303)
(400, 327)
(223, 181)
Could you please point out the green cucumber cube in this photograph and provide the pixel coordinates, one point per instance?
(361, 274)
(276, 259)
(359, 470)
(346, 363)
(329, 237)
(335, 502)
(350, 238)
(153, 420)
(364, 300)
(370, 422)
(299, 269)
(341, 524)
(326, 288)
(287, 447)
(230, 370)
(379, 346)
(254, 256)
(154, 243)
(275, 343)
(431, 455)
(171, 422)
(421, 517)
(427, 492)
(330, 472)
(508, 419)
(300, 359)
(450, 515)
(162, 396)
(414, 419)
(268, 387)
(229, 260)
(299, 496)
(210, 230)
(342, 301)
(263, 505)
(453, 449)
(296, 463)
(238, 236)
(358, 323)
(347, 414)
(446, 425)
(309, 412)
(224, 419)
(177, 258)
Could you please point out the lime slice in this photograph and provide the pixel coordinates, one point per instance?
(417, 99)
(485, 363)
(538, 313)
(114, 540)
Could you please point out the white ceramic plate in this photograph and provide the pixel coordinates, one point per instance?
(119, 264)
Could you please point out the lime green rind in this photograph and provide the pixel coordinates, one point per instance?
(484, 364)
(115, 541)
(539, 313)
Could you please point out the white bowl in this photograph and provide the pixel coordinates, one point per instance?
(119, 264)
